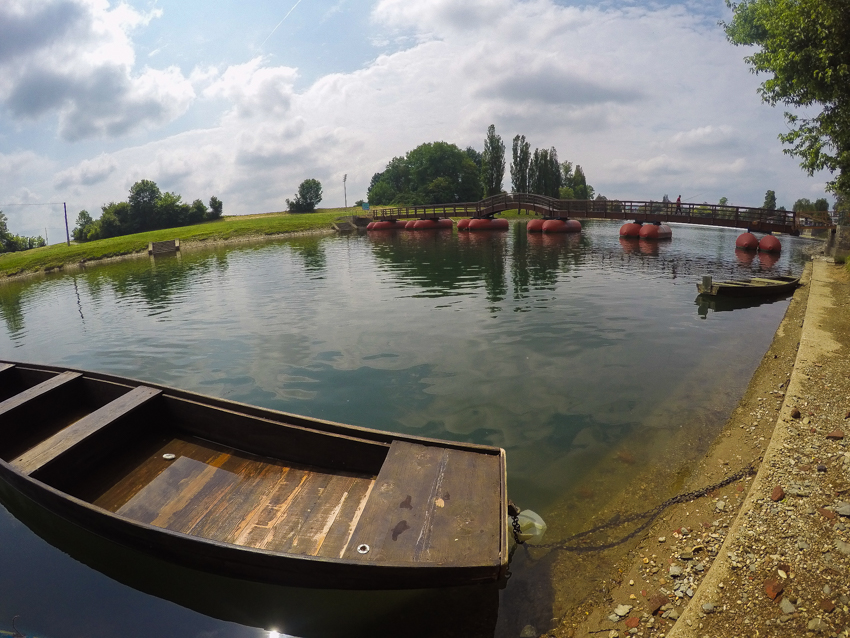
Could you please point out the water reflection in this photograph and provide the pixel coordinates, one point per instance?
(705, 303)
(601, 373)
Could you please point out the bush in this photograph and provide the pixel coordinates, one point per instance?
(309, 194)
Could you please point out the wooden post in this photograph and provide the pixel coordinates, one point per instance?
(67, 234)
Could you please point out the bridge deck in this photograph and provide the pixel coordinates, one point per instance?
(758, 219)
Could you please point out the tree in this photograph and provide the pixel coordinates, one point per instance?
(216, 208)
(769, 200)
(579, 185)
(519, 165)
(197, 212)
(309, 194)
(803, 204)
(493, 163)
(476, 157)
(544, 173)
(802, 44)
(431, 173)
(84, 223)
(143, 199)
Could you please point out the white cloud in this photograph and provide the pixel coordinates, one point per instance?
(75, 58)
(87, 172)
(647, 100)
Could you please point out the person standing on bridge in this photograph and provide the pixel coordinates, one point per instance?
(679, 205)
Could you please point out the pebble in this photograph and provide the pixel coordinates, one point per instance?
(816, 624)
(842, 547)
(720, 506)
(708, 608)
(842, 509)
(777, 494)
(529, 631)
(675, 571)
(622, 610)
(787, 607)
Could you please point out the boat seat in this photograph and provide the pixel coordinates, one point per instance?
(431, 505)
(50, 449)
(37, 391)
(5, 367)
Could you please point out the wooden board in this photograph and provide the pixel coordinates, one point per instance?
(37, 391)
(233, 497)
(65, 439)
(431, 505)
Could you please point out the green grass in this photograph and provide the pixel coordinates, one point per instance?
(58, 255)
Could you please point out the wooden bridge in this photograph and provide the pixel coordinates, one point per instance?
(756, 219)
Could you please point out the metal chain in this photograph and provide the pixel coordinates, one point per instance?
(649, 515)
(517, 530)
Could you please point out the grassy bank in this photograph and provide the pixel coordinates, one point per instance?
(58, 255)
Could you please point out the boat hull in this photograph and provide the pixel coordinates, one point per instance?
(251, 493)
(756, 287)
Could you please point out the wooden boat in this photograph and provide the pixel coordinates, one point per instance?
(755, 287)
(250, 493)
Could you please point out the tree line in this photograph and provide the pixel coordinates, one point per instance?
(10, 243)
(443, 173)
(147, 208)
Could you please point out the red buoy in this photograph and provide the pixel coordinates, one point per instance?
(535, 225)
(410, 224)
(445, 222)
(425, 224)
(769, 244)
(573, 226)
(631, 229)
(488, 224)
(747, 241)
(369, 225)
(656, 231)
(463, 224)
(555, 226)
(386, 225)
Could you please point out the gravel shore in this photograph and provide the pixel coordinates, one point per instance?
(767, 555)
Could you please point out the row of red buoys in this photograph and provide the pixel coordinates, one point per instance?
(553, 226)
(483, 223)
(767, 244)
(412, 224)
(646, 231)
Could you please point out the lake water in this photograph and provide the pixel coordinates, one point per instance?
(584, 356)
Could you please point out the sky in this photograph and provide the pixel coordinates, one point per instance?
(246, 100)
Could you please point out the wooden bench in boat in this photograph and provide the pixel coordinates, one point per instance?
(61, 442)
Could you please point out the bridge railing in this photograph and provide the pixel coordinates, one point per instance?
(639, 210)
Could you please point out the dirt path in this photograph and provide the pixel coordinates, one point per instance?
(712, 567)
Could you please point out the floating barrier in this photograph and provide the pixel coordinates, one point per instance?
(384, 225)
(769, 244)
(561, 226)
(632, 229)
(488, 224)
(463, 224)
(656, 231)
(535, 226)
(747, 241)
(431, 224)
(410, 224)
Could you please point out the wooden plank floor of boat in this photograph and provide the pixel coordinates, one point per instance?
(427, 504)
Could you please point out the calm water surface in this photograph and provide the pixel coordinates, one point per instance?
(580, 355)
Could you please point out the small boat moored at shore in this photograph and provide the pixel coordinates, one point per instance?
(249, 493)
(755, 287)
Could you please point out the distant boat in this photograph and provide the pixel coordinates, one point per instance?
(250, 493)
(755, 287)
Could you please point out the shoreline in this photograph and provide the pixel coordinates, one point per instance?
(708, 567)
(188, 245)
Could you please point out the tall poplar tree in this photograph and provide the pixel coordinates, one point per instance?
(519, 165)
(493, 163)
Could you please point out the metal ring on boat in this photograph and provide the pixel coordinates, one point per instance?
(168, 457)
(363, 549)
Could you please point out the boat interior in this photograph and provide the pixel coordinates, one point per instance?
(163, 458)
